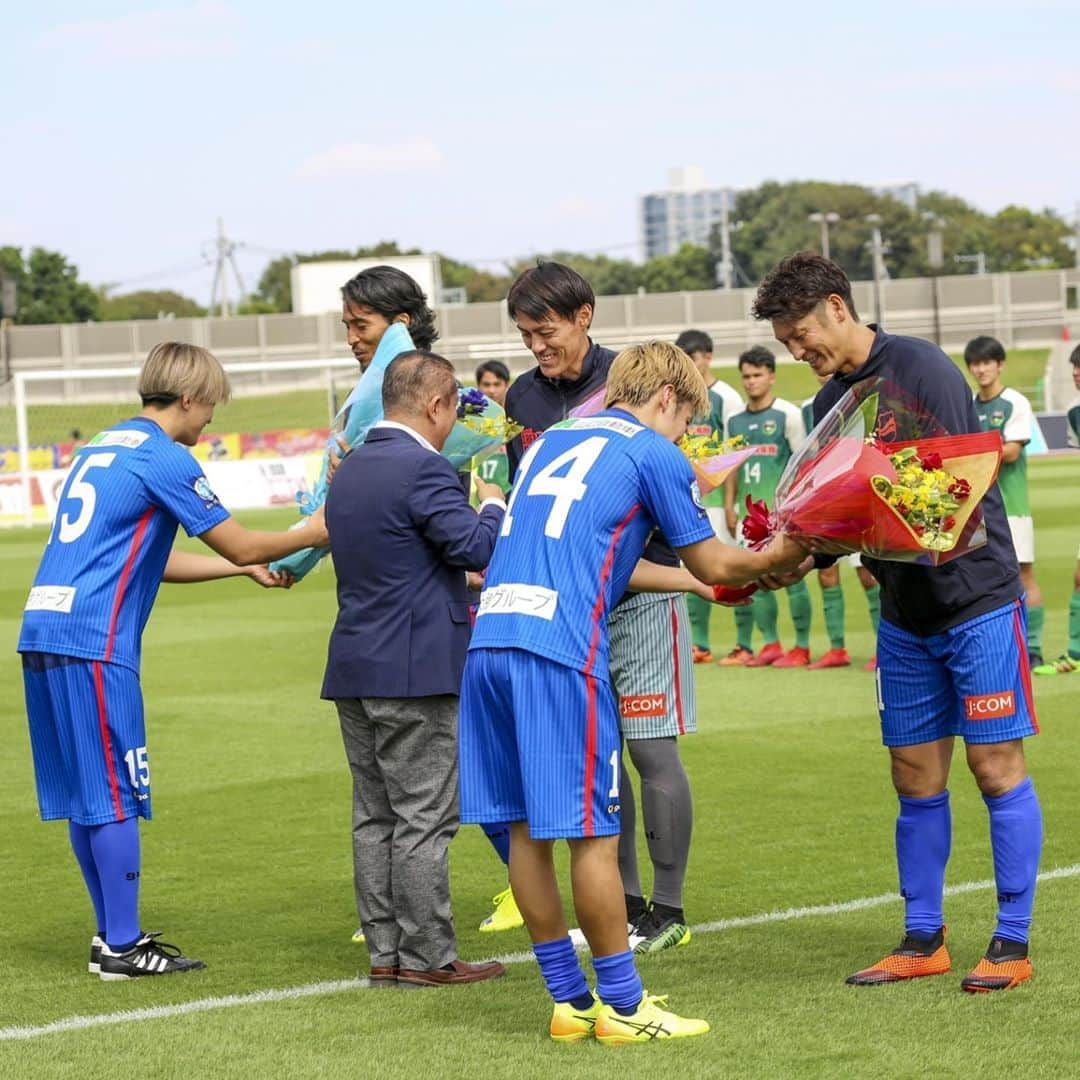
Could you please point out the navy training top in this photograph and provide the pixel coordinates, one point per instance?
(536, 402)
(924, 394)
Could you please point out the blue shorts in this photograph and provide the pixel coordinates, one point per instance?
(88, 738)
(538, 742)
(973, 681)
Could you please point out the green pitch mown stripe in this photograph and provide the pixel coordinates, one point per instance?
(262, 997)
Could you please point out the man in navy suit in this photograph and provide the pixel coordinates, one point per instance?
(401, 526)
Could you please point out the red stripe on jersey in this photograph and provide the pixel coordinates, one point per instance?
(605, 573)
(675, 660)
(590, 753)
(106, 742)
(121, 585)
(1025, 665)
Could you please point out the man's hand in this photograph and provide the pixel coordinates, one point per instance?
(334, 459)
(269, 579)
(731, 517)
(486, 490)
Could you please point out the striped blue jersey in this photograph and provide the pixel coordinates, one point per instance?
(127, 491)
(587, 495)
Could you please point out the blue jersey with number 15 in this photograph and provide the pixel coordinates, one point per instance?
(116, 520)
(587, 495)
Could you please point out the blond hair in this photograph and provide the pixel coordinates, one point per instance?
(174, 369)
(641, 370)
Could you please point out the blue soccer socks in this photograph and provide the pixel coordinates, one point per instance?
(617, 982)
(923, 842)
(117, 857)
(1016, 834)
(562, 973)
(80, 844)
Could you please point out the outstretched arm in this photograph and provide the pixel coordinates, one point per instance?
(185, 567)
(655, 577)
(245, 547)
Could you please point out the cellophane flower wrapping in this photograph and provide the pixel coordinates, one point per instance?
(361, 411)
(482, 427)
(713, 459)
(851, 490)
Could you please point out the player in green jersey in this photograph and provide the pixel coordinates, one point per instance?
(493, 378)
(776, 426)
(1069, 660)
(724, 400)
(832, 594)
(1008, 412)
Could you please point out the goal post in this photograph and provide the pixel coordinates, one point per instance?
(278, 411)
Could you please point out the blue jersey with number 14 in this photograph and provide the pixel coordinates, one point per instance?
(116, 520)
(586, 497)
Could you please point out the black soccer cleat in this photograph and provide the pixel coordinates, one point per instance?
(96, 945)
(147, 956)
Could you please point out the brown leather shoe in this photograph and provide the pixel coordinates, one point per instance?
(383, 976)
(454, 973)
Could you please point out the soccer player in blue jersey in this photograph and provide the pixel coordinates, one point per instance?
(952, 658)
(539, 728)
(109, 550)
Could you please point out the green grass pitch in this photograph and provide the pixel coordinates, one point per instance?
(247, 866)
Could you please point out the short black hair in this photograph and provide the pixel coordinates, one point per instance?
(391, 292)
(797, 284)
(692, 341)
(493, 367)
(1074, 359)
(547, 287)
(757, 356)
(984, 347)
(413, 377)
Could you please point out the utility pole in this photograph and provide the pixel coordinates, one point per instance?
(723, 267)
(935, 258)
(877, 251)
(825, 219)
(224, 259)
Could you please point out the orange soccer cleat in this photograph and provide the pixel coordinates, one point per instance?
(870, 665)
(701, 656)
(914, 958)
(768, 656)
(1005, 965)
(797, 657)
(738, 657)
(832, 658)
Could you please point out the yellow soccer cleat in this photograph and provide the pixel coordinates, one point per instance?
(572, 1025)
(648, 1024)
(505, 916)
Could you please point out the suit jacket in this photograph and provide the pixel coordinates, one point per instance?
(402, 535)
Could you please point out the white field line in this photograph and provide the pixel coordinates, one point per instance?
(262, 997)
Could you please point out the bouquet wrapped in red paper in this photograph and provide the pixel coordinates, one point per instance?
(847, 490)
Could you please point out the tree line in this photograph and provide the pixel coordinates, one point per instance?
(768, 222)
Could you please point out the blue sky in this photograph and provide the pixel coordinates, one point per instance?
(491, 130)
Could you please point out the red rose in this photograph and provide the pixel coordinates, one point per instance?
(918, 530)
(931, 460)
(960, 489)
(948, 523)
(757, 525)
(903, 509)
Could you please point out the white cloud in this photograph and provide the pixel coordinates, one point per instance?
(353, 159)
(206, 30)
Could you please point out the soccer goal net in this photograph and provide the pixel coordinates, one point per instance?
(259, 450)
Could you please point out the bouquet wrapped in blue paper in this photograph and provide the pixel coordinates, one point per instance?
(361, 411)
(482, 426)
